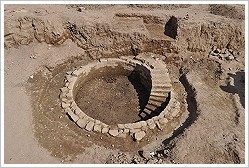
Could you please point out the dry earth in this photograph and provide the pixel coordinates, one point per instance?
(202, 45)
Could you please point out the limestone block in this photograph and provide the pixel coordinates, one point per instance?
(129, 125)
(136, 125)
(151, 124)
(63, 95)
(77, 111)
(163, 121)
(139, 135)
(64, 89)
(69, 95)
(158, 125)
(89, 126)
(105, 130)
(76, 73)
(143, 123)
(135, 130)
(113, 132)
(97, 128)
(73, 116)
(64, 105)
(121, 126)
(82, 122)
(67, 83)
(82, 115)
(144, 128)
(126, 130)
(122, 135)
(69, 72)
(175, 112)
(97, 122)
(71, 85)
(74, 105)
(103, 124)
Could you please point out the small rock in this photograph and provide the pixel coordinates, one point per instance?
(31, 77)
(139, 135)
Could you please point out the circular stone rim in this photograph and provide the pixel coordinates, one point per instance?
(120, 130)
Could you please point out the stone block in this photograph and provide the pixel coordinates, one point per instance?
(175, 112)
(77, 111)
(135, 130)
(82, 122)
(65, 105)
(69, 72)
(74, 105)
(64, 89)
(139, 135)
(129, 125)
(73, 116)
(97, 122)
(122, 135)
(163, 121)
(126, 130)
(143, 123)
(158, 125)
(97, 128)
(89, 126)
(76, 73)
(151, 124)
(82, 115)
(136, 125)
(121, 126)
(105, 130)
(113, 132)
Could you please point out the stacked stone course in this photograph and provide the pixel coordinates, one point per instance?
(160, 90)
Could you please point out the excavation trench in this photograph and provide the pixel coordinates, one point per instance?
(192, 109)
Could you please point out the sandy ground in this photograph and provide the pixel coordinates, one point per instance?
(202, 45)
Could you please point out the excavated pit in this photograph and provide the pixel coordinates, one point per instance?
(93, 93)
(114, 95)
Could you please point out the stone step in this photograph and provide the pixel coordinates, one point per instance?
(147, 111)
(160, 90)
(157, 94)
(152, 107)
(160, 86)
(158, 99)
(156, 103)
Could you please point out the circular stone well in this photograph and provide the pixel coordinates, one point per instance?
(157, 105)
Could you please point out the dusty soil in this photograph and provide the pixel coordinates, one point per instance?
(110, 100)
(202, 45)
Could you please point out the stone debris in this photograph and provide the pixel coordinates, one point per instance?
(222, 54)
